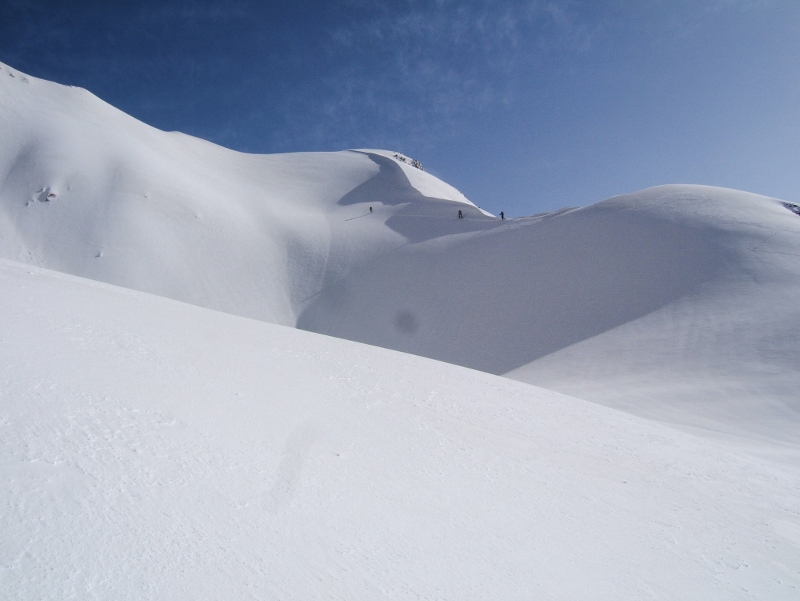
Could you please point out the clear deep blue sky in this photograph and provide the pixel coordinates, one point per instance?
(523, 105)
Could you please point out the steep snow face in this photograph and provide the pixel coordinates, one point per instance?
(430, 187)
(154, 449)
(86, 189)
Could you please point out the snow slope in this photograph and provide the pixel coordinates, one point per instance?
(722, 354)
(154, 449)
(87, 190)
(675, 303)
(157, 449)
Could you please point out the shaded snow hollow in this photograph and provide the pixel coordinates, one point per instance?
(158, 449)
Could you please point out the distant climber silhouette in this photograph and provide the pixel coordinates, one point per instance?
(370, 209)
(502, 215)
(460, 214)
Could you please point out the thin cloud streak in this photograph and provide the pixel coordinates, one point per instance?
(416, 69)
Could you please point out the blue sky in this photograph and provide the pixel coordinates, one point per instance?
(524, 105)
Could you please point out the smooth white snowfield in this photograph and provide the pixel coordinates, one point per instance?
(153, 449)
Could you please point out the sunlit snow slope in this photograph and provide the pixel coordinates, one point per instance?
(88, 190)
(710, 324)
(677, 303)
(151, 449)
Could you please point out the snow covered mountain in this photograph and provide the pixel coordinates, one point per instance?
(90, 191)
(675, 298)
(245, 459)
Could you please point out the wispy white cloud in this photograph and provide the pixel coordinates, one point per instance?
(413, 66)
(571, 30)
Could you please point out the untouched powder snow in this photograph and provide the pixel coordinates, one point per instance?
(153, 449)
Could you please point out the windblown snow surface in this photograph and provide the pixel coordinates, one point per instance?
(164, 436)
